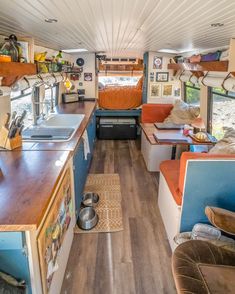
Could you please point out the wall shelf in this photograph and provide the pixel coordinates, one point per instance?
(200, 66)
(12, 71)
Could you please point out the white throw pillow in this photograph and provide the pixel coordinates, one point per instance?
(182, 113)
(225, 145)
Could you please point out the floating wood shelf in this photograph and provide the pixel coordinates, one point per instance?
(12, 71)
(200, 66)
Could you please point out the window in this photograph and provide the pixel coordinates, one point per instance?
(119, 80)
(192, 93)
(222, 111)
(21, 100)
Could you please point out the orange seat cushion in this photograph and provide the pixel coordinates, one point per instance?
(171, 170)
(152, 113)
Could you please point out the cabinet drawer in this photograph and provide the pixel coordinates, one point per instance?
(54, 229)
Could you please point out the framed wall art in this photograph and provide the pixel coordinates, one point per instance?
(155, 90)
(162, 76)
(157, 62)
(151, 77)
(167, 90)
(87, 76)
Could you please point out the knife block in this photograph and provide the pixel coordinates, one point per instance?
(8, 143)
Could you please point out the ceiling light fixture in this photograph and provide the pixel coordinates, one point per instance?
(217, 24)
(51, 20)
(173, 51)
(78, 50)
(168, 51)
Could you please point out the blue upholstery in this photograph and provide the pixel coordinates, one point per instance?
(209, 182)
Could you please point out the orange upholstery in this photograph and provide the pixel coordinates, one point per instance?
(121, 97)
(171, 170)
(152, 113)
(174, 171)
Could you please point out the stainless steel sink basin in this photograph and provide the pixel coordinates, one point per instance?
(63, 120)
(57, 128)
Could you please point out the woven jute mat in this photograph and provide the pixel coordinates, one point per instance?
(109, 208)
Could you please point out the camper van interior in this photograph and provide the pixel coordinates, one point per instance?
(117, 146)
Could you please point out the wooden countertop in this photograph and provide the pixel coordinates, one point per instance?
(29, 175)
(27, 182)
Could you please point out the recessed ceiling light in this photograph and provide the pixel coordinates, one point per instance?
(51, 20)
(74, 50)
(217, 24)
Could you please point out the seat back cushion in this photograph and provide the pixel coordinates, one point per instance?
(196, 155)
(183, 113)
(152, 112)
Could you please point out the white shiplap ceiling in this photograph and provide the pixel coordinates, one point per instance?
(121, 27)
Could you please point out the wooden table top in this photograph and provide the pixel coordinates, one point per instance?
(30, 174)
(149, 129)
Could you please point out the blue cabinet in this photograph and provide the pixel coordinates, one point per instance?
(82, 165)
(13, 256)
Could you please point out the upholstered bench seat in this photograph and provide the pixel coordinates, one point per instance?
(170, 169)
(188, 184)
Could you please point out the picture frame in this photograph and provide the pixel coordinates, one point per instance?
(177, 92)
(155, 90)
(167, 90)
(151, 78)
(157, 62)
(88, 77)
(162, 76)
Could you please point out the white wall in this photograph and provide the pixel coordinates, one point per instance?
(175, 83)
(5, 106)
(88, 67)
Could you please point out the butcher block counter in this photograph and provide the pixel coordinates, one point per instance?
(30, 174)
(40, 193)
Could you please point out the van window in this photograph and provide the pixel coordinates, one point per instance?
(21, 100)
(192, 93)
(222, 110)
(118, 81)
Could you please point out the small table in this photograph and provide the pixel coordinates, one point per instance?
(155, 152)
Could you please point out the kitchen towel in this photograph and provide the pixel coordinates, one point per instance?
(86, 144)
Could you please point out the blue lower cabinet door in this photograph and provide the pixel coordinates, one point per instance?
(13, 256)
(80, 174)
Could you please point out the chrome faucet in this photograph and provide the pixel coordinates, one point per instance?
(35, 103)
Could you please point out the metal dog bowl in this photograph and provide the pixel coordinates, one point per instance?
(87, 218)
(90, 199)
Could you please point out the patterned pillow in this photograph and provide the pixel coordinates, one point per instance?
(182, 113)
(225, 145)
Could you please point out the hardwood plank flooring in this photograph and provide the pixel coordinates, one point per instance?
(136, 260)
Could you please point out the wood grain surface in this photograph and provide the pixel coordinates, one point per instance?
(136, 260)
(27, 182)
(149, 129)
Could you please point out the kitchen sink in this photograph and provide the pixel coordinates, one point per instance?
(56, 128)
(63, 120)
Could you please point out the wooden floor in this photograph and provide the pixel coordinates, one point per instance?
(136, 260)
